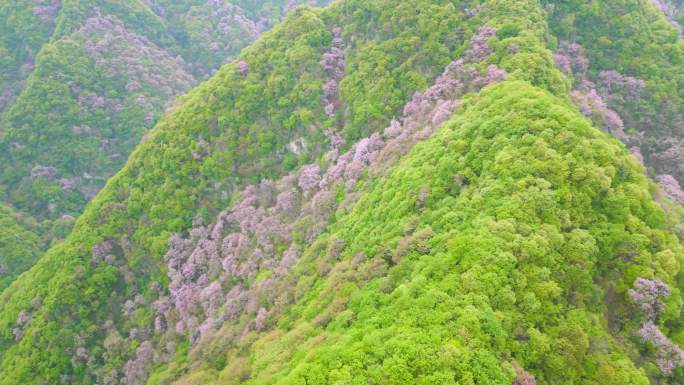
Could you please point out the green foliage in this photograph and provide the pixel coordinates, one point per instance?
(90, 77)
(635, 39)
(21, 35)
(520, 265)
(230, 122)
(531, 228)
(20, 247)
(81, 82)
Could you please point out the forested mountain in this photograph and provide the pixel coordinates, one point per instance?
(626, 70)
(387, 192)
(674, 11)
(82, 81)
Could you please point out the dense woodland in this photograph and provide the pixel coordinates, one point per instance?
(81, 82)
(373, 192)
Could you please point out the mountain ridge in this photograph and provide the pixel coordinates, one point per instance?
(83, 81)
(516, 244)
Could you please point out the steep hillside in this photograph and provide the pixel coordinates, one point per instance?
(20, 247)
(495, 251)
(375, 192)
(82, 81)
(24, 27)
(90, 77)
(626, 61)
(674, 11)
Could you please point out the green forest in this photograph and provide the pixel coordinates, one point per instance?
(364, 192)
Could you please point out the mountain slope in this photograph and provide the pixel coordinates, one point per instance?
(632, 62)
(223, 133)
(24, 27)
(83, 81)
(355, 237)
(20, 247)
(476, 279)
(103, 73)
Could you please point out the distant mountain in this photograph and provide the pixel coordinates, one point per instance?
(81, 82)
(387, 192)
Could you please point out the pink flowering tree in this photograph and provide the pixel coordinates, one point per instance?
(669, 356)
(649, 294)
(333, 63)
(243, 68)
(571, 59)
(137, 369)
(479, 45)
(671, 187)
(309, 177)
(522, 377)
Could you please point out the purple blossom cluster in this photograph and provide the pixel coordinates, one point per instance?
(610, 100)
(473, 11)
(333, 63)
(213, 270)
(26, 68)
(204, 267)
(260, 321)
(243, 68)
(669, 356)
(23, 320)
(103, 252)
(571, 59)
(89, 101)
(7, 97)
(670, 9)
(124, 54)
(425, 112)
(648, 295)
(68, 184)
(522, 377)
(46, 10)
(309, 177)
(151, 77)
(440, 100)
(671, 187)
(137, 369)
(636, 152)
(43, 171)
(669, 154)
(591, 104)
(79, 355)
(217, 29)
(479, 45)
(336, 140)
(619, 89)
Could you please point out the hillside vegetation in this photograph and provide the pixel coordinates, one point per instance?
(20, 247)
(384, 192)
(82, 81)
